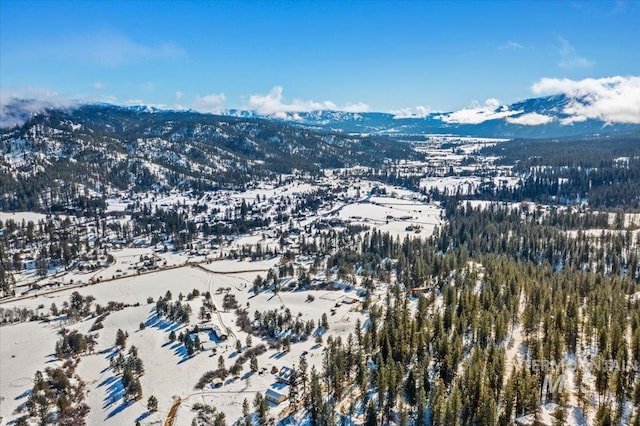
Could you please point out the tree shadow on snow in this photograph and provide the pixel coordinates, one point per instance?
(20, 409)
(578, 414)
(114, 392)
(109, 380)
(23, 395)
(278, 385)
(278, 355)
(120, 408)
(180, 351)
(143, 416)
(156, 321)
(112, 355)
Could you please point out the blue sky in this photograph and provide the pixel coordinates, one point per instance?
(380, 56)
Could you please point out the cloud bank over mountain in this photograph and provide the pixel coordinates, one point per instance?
(530, 119)
(273, 104)
(417, 112)
(612, 99)
(17, 105)
(476, 113)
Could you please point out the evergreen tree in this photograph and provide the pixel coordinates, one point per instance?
(371, 417)
(253, 364)
(121, 339)
(152, 404)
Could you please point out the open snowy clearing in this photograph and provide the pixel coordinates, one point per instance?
(28, 347)
(397, 216)
(466, 184)
(20, 216)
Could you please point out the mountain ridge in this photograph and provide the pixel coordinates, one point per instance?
(535, 117)
(60, 153)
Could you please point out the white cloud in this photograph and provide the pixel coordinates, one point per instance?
(612, 99)
(417, 112)
(178, 101)
(531, 119)
(272, 104)
(211, 103)
(114, 49)
(110, 99)
(357, 107)
(134, 102)
(476, 114)
(619, 7)
(511, 45)
(569, 58)
(18, 105)
(105, 47)
(98, 85)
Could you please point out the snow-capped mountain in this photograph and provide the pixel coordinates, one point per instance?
(102, 145)
(550, 116)
(532, 118)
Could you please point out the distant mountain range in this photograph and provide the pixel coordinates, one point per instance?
(50, 154)
(533, 118)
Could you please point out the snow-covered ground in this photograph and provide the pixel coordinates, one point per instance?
(18, 217)
(397, 216)
(465, 185)
(28, 347)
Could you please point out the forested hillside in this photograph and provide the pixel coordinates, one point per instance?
(59, 155)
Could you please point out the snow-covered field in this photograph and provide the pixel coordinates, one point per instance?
(394, 215)
(465, 184)
(28, 347)
(20, 216)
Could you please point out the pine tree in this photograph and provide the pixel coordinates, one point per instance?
(121, 339)
(293, 386)
(437, 405)
(371, 418)
(314, 399)
(604, 416)
(261, 405)
(410, 389)
(421, 406)
(188, 344)
(303, 374)
(245, 409)
(152, 404)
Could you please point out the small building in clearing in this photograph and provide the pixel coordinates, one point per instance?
(219, 333)
(214, 329)
(285, 375)
(277, 395)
